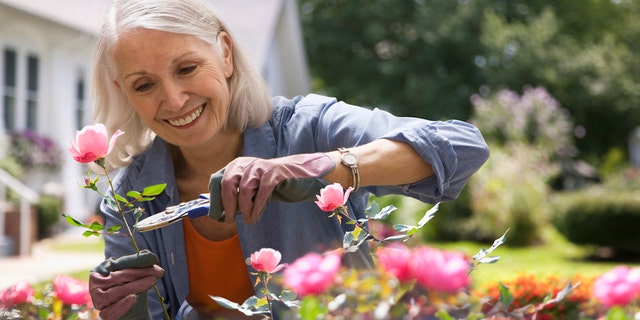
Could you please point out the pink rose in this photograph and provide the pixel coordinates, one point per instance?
(444, 271)
(312, 273)
(266, 260)
(618, 286)
(332, 196)
(71, 291)
(19, 293)
(92, 143)
(394, 259)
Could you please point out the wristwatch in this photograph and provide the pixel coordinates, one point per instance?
(350, 160)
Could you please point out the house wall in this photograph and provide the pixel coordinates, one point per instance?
(269, 32)
(62, 55)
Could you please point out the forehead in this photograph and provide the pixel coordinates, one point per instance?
(144, 48)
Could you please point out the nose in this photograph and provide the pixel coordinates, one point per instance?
(174, 96)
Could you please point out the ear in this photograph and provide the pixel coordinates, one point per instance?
(226, 46)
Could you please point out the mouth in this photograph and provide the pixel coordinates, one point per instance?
(181, 122)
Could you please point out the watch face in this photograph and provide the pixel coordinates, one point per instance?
(350, 159)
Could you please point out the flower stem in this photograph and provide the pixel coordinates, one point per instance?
(265, 280)
(133, 241)
(343, 211)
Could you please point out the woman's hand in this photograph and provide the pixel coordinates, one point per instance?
(247, 183)
(118, 287)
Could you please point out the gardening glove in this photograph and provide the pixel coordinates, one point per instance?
(247, 183)
(118, 287)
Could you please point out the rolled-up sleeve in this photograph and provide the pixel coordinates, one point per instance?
(454, 149)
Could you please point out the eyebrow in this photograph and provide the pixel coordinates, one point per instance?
(173, 61)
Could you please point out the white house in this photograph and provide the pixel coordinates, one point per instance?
(44, 51)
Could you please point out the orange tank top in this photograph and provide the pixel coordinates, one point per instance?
(215, 268)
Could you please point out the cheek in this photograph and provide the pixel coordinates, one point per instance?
(144, 107)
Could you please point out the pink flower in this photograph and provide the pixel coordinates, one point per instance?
(19, 293)
(71, 291)
(394, 259)
(618, 286)
(266, 260)
(92, 143)
(312, 273)
(444, 271)
(332, 197)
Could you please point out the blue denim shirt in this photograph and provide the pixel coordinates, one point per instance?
(308, 124)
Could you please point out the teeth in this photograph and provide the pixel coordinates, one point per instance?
(188, 119)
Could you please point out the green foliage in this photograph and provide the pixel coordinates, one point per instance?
(599, 217)
(48, 208)
(426, 58)
(508, 192)
(534, 118)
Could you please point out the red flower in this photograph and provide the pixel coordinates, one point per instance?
(19, 293)
(332, 197)
(71, 291)
(266, 260)
(617, 287)
(394, 259)
(444, 271)
(312, 273)
(92, 143)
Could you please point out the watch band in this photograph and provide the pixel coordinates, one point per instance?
(350, 160)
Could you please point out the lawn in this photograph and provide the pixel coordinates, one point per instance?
(558, 257)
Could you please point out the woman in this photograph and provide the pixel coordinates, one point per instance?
(169, 74)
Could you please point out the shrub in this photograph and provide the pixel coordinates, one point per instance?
(32, 150)
(508, 192)
(599, 216)
(529, 289)
(48, 208)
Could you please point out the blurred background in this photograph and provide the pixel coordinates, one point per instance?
(553, 85)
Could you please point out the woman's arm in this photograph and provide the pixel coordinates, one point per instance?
(381, 162)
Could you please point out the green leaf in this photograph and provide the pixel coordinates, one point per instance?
(506, 297)
(225, 303)
(396, 237)
(134, 194)
(96, 226)
(121, 199)
(114, 229)
(402, 227)
(444, 315)
(428, 215)
(154, 190)
(484, 252)
(310, 308)
(384, 213)
(90, 233)
(73, 221)
(616, 313)
(111, 203)
(373, 208)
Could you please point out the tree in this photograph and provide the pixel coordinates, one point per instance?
(427, 58)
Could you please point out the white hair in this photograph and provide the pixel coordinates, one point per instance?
(250, 104)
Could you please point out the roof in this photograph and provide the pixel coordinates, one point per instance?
(251, 22)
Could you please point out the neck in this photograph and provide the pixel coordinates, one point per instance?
(205, 159)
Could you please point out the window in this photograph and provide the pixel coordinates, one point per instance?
(9, 95)
(20, 89)
(32, 91)
(80, 101)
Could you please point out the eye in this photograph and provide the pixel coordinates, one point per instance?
(144, 87)
(187, 70)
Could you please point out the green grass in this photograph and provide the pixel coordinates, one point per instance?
(91, 245)
(558, 257)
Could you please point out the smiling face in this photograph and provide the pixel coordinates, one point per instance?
(176, 83)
